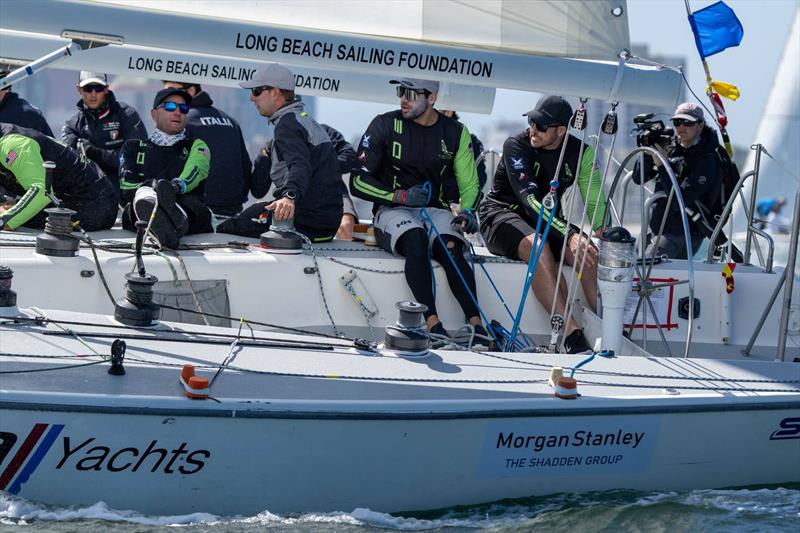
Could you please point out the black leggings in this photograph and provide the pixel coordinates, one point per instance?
(413, 245)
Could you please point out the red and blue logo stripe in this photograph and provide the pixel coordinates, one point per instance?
(28, 456)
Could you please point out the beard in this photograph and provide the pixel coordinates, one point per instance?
(417, 109)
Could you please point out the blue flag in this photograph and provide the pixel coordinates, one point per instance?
(715, 28)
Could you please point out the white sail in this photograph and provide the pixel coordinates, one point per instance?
(228, 71)
(779, 131)
(500, 63)
(577, 29)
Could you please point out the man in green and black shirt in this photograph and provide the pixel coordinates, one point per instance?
(511, 209)
(77, 182)
(170, 167)
(417, 158)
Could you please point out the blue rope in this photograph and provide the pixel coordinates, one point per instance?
(426, 217)
(486, 273)
(608, 354)
(533, 263)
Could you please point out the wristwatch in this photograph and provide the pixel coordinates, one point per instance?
(290, 195)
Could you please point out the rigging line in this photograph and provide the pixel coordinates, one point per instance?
(52, 368)
(177, 331)
(710, 114)
(88, 239)
(569, 209)
(69, 332)
(777, 162)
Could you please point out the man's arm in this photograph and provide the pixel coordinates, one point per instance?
(590, 183)
(69, 133)
(196, 168)
(262, 170)
(363, 181)
(345, 153)
(466, 172)
(22, 156)
(292, 147)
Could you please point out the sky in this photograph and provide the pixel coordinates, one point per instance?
(661, 24)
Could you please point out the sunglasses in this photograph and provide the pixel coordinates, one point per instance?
(411, 94)
(683, 122)
(93, 88)
(256, 91)
(172, 106)
(542, 128)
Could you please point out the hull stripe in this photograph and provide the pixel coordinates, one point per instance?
(22, 454)
(37, 457)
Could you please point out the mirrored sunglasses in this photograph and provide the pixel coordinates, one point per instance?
(683, 122)
(172, 106)
(93, 88)
(256, 91)
(410, 94)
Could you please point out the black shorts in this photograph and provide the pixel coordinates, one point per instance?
(503, 230)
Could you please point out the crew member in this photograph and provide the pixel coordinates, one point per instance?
(169, 168)
(230, 178)
(77, 183)
(511, 209)
(416, 158)
(693, 158)
(477, 149)
(16, 110)
(303, 164)
(102, 124)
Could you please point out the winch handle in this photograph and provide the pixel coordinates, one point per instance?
(141, 227)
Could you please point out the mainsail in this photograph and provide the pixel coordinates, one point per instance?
(569, 47)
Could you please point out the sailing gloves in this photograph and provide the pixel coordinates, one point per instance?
(416, 196)
(92, 152)
(179, 185)
(465, 221)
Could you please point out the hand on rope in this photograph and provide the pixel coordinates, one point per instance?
(416, 196)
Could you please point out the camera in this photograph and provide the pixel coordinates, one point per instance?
(650, 132)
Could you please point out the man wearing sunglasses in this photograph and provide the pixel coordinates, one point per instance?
(168, 169)
(694, 158)
(16, 110)
(303, 165)
(230, 178)
(102, 124)
(412, 158)
(512, 207)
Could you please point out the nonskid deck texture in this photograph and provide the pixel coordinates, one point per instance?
(273, 371)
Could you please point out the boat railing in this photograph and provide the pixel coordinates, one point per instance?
(647, 266)
(749, 216)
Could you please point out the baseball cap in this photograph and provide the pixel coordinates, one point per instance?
(416, 83)
(273, 75)
(89, 78)
(163, 94)
(689, 111)
(551, 110)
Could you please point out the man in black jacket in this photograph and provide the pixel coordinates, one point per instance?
(102, 124)
(167, 170)
(16, 110)
(693, 157)
(230, 178)
(303, 164)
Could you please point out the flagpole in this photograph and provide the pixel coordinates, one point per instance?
(716, 102)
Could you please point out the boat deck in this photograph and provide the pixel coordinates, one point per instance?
(270, 373)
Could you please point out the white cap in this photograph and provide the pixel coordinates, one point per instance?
(273, 75)
(89, 78)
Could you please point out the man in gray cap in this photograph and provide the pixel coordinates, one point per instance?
(102, 124)
(303, 164)
(416, 158)
(698, 161)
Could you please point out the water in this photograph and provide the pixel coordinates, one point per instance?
(740, 510)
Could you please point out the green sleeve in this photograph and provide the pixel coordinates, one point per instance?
(466, 171)
(593, 196)
(22, 156)
(196, 168)
(558, 224)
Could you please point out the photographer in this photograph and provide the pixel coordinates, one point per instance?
(693, 156)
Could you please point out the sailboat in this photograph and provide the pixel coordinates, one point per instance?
(165, 417)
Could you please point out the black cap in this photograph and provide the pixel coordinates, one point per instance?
(551, 110)
(163, 94)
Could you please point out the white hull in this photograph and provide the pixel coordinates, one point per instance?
(315, 428)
